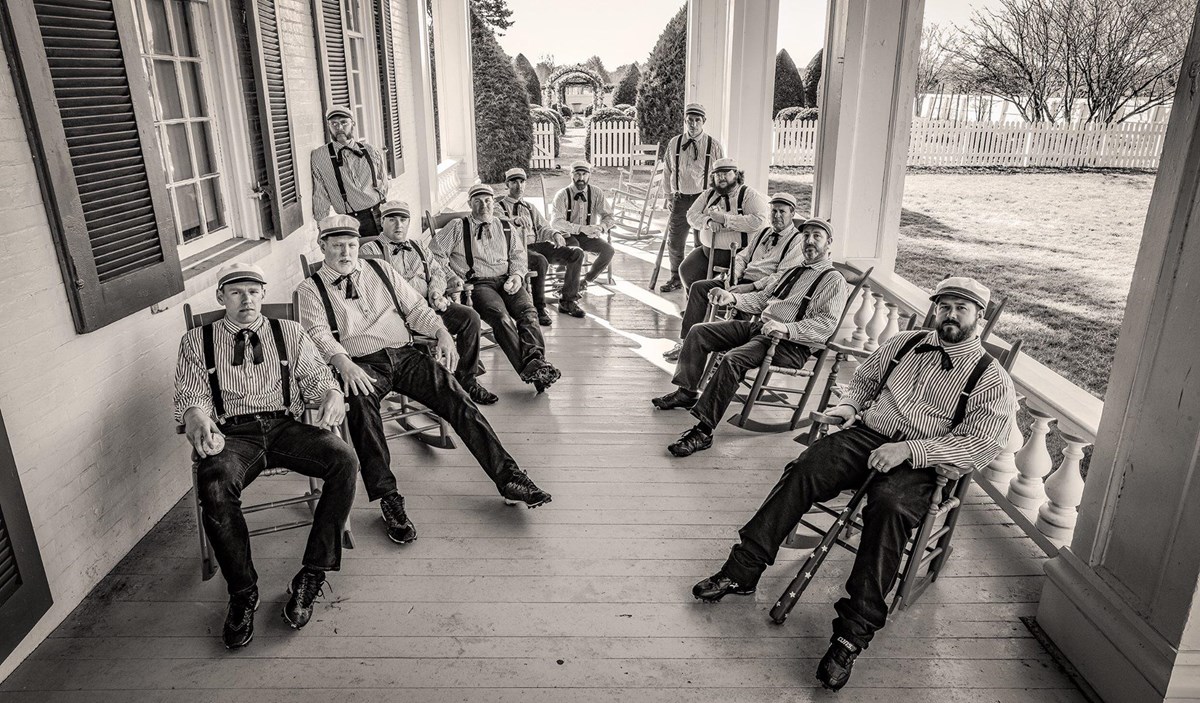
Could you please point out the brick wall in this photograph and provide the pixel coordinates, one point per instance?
(89, 416)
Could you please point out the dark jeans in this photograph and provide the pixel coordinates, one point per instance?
(370, 223)
(595, 245)
(744, 349)
(513, 319)
(697, 302)
(896, 503)
(695, 266)
(677, 229)
(415, 374)
(541, 255)
(251, 447)
(463, 323)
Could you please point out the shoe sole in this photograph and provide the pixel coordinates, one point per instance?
(671, 448)
(702, 599)
(402, 541)
(664, 406)
(529, 506)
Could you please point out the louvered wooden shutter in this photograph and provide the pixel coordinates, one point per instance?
(84, 94)
(273, 118)
(24, 593)
(331, 53)
(388, 93)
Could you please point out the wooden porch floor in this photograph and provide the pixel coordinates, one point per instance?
(586, 599)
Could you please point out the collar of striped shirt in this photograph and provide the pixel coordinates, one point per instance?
(328, 274)
(784, 235)
(962, 350)
(826, 263)
(232, 327)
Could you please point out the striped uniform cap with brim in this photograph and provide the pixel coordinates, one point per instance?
(725, 164)
(818, 222)
(784, 199)
(581, 166)
(963, 287)
(515, 173)
(337, 225)
(694, 109)
(480, 189)
(239, 271)
(394, 207)
(338, 111)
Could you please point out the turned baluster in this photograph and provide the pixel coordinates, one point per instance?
(1004, 467)
(866, 310)
(1064, 490)
(893, 323)
(877, 323)
(1028, 490)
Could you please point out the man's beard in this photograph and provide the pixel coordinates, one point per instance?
(950, 333)
(728, 187)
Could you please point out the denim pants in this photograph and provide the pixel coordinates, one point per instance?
(745, 348)
(463, 324)
(549, 253)
(896, 503)
(697, 303)
(593, 245)
(513, 320)
(251, 447)
(678, 227)
(695, 267)
(415, 374)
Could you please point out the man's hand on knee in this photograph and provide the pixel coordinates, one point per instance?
(203, 433)
(512, 284)
(446, 352)
(332, 411)
(356, 380)
(888, 456)
(720, 296)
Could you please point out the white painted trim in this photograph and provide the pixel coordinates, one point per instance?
(456, 95)
(425, 149)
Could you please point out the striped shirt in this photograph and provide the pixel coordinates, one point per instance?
(690, 178)
(495, 255)
(824, 310)
(570, 212)
(249, 387)
(363, 175)
(764, 255)
(756, 214)
(370, 322)
(416, 264)
(920, 398)
(540, 231)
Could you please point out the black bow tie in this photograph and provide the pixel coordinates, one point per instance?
(349, 290)
(725, 197)
(774, 237)
(581, 195)
(695, 147)
(239, 347)
(398, 247)
(481, 230)
(947, 364)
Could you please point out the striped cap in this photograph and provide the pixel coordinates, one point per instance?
(783, 199)
(336, 225)
(515, 173)
(725, 164)
(581, 166)
(394, 207)
(963, 287)
(240, 271)
(818, 222)
(694, 109)
(338, 111)
(480, 189)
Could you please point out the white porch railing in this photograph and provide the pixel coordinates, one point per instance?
(942, 143)
(543, 145)
(612, 142)
(1045, 508)
(448, 184)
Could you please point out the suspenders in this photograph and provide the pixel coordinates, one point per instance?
(469, 254)
(210, 365)
(335, 156)
(960, 408)
(807, 299)
(571, 204)
(323, 293)
(707, 159)
(741, 198)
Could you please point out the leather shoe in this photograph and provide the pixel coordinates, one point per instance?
(544, 318)
(677, 398)
(571, 308)
(671, 285)
(690, 442)
(481, 395)
(834, 670)
(717, 586)
(673, 353)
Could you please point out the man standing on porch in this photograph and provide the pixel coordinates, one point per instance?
(240, 384)
(688, 160)
(581, 211)
(348, 175)
(923, 398)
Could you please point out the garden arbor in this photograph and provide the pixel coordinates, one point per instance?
(569, 85)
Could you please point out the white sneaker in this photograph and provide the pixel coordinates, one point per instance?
(672, 354)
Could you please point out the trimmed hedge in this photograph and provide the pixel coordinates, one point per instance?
(797, 113)
(604, 114)
(528, 76)
(501, 108)
(812, 80)
(660, 92)
(789, 86)
(626, 93)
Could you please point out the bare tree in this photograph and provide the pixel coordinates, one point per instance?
(931, 61)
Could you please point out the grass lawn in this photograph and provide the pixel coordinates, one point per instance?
(1061, 246)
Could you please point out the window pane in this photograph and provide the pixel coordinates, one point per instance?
(158, 39)
(180, 153)
(189, 212)
(352, 16)
(193, 88)
(206, 159)
(167, 93)
(182, 14)
(214, 206)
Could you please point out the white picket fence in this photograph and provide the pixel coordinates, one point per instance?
(543, 145)
(612, 142)
(941, 143)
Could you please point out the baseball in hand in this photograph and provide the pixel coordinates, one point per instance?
(214, 444)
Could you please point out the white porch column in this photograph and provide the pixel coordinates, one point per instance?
(870, 71)
(750, 83)
(422, 109)
(455, 88)
(1122, 601)
(707, 56)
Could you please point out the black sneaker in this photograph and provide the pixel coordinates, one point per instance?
(239, 621)
(671, 285)
(399, 528)
(678, 398)
(571, 308)
(480, 395)
(834, 670)
(521, 489)
(545, 377)
(717, 586)
(305, 588)
(544, 318)
(690, 442)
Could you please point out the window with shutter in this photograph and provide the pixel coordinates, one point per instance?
(389, 95)
(24, 592)
(331, 53)
(272, 117)
(85, 101)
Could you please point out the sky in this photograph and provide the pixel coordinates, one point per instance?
(574, 31)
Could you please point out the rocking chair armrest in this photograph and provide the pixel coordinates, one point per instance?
(952, 471)
(824, 419)
(856, 352)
